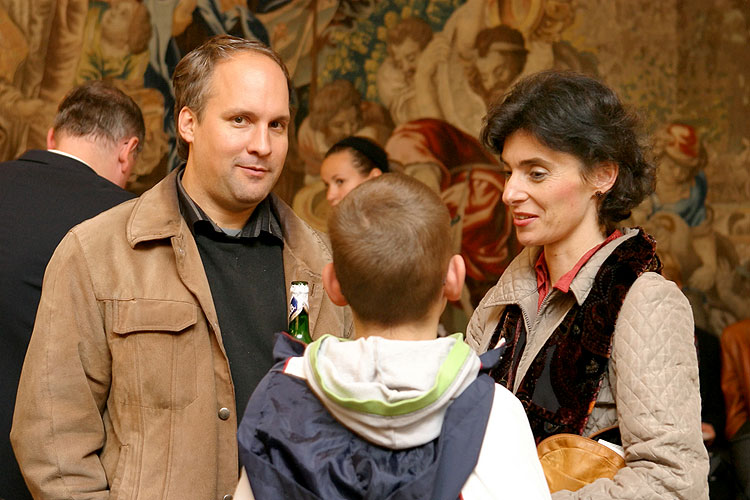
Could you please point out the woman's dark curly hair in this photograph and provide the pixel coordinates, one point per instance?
(578, 115)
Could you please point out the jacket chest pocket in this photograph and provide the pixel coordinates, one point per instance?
(154, 353)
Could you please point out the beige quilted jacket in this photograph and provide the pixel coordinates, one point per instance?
(651, 390)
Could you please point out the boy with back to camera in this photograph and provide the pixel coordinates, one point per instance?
(397, 412)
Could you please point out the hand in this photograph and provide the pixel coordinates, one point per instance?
(709, 434)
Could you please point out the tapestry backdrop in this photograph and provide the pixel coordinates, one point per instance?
(416, 76)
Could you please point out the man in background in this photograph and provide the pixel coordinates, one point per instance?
(157, 318)
(92, 146)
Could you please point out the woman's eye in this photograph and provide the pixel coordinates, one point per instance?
(537, 175)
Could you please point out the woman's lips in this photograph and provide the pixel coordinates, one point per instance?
(523, 219)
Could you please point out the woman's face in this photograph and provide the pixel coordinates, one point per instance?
(341, 176)
(551, 204)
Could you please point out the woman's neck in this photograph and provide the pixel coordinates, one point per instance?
(562, 257)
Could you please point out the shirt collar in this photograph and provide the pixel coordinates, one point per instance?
(563, 284)
(57, 151)
(263, 219)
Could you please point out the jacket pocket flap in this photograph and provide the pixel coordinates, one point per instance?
(143, 315)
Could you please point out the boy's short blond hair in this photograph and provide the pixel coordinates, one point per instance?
(391, 247)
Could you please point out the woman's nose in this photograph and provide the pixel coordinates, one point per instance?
(512, 193)
(331, 196)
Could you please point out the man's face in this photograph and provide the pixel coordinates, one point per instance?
(497, 69)
(238, 146)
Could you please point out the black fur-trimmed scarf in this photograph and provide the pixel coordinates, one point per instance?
(560, 388)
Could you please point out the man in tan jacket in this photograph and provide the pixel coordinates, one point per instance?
(156, 318)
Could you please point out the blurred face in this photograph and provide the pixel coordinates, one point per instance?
(341, 176)
(405, 57)
(238, 146)
(551, 204)
(497, 69)
(116, 20)
(672, 172)
(343, 124)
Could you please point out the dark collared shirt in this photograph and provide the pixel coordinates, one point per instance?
(245, 270)
(263, 218)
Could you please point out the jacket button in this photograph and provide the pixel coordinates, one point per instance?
(224, 414)
(228, 497)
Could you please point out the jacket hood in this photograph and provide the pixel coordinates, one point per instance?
(393, 393)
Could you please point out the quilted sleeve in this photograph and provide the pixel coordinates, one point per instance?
(654, 367)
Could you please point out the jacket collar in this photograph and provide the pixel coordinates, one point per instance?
(156, 214)
(518, 283)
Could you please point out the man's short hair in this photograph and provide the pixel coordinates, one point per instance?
(192, 76)
(391, 247)
(100, 110)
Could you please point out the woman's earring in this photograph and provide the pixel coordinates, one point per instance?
(599, 195)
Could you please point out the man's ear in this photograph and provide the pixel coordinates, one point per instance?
(126, 158)
(605, 176)
(332, 285)
(186, 121)
(454, 278)
(51, 142)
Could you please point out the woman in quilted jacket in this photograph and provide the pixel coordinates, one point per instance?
(597, 338)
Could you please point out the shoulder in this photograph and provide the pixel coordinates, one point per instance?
(517, 282)
(655, 316)
(651, 292)
(506, 401)
(107, 221)
(299, 235)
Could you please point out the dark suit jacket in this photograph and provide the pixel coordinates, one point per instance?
(42, 196)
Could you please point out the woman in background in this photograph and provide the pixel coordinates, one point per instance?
(596, 336)
(349, 163)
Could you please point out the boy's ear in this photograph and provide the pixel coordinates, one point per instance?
(332, 285)
(454, 279)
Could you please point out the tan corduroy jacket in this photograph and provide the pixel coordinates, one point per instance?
(651, 389)
(126, 391)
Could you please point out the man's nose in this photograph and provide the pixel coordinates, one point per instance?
(260, 141)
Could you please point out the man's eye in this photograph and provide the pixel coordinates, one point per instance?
(239, 120)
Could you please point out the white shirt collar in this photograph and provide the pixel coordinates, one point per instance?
(69, 156)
